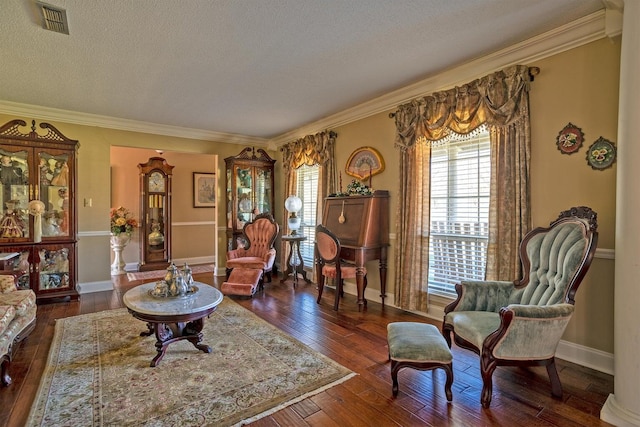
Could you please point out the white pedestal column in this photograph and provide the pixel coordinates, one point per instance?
(623, 407)
(118, 243)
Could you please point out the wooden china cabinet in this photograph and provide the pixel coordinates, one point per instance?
(38, 199)
(249, 190)
(155, 214)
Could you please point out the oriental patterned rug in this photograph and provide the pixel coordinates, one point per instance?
(159, 274)
(98, 373)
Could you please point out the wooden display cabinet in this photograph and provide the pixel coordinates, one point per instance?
(249, 190)
(155, 213)
(38, 201)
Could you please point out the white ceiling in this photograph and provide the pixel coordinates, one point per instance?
(257, 68)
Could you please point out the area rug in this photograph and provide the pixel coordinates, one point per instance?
(158, 274)
(98, 373)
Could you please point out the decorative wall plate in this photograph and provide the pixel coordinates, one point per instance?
(364, 163)
(601, 154)
(569, 139)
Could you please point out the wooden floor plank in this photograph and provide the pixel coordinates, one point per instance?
(357, 340)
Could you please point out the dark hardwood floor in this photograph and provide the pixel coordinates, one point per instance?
(357, 340)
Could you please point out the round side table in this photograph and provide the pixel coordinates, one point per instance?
(295, 263)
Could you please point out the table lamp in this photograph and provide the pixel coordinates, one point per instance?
(293, 204)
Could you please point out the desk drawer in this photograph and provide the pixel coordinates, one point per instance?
(348, 254)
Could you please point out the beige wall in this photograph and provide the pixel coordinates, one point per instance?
(193, 234)
(94, 182)
(578, 86)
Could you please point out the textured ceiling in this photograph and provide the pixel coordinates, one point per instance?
(251, 67)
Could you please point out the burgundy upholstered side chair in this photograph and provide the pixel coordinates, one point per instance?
(329, 264)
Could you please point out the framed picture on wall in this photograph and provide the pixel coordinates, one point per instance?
(204, 190)
(364, 163)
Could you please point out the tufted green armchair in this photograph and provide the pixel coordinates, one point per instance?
(521, 322)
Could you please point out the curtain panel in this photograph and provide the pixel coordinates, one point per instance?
(501, 102)
(317, 149)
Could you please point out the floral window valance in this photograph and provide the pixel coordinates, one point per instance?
(497, 100)
(309, 150)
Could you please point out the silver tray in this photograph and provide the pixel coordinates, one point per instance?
(191, 292)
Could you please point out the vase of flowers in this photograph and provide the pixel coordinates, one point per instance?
(357, 188)
(122, 225)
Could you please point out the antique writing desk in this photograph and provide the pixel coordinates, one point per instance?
(362, 226)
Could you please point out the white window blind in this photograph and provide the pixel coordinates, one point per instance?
(307, 190)
(459, 212)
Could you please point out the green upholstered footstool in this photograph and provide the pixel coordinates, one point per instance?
(418, 346)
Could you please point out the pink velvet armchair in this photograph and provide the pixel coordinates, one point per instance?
(259, 252)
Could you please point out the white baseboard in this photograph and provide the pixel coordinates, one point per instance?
(195, 260)
(617, 415)
(571, 352)
(585, 356)
(135, 266)
(89, 287)
(131, 266)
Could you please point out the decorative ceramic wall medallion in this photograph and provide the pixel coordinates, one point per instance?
(601, 154)
(569, 139)
(364, 163)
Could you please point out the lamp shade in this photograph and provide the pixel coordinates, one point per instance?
(293, 204)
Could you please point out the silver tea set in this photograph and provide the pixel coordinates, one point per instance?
(176, 283)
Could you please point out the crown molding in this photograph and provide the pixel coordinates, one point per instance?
(572, 35)
(86, 119)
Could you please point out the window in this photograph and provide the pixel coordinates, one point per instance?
(460, 174)
(307, 190)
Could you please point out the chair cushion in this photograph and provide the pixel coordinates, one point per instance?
(243, 289)
(327, 247)
(15, 328)
(347, 272)
(260, 234)
(7, 314)
(247, 262)
(242, 281)
(7, 283)
(556, 256)
(413, 341)
(22, 300)
(473, 326)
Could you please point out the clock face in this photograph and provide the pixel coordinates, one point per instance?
(156, 182)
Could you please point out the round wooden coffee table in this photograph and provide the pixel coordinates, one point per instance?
(175, 318)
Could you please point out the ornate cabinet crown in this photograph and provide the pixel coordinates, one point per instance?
(38, 200)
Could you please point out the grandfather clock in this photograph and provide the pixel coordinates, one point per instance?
(155, 214)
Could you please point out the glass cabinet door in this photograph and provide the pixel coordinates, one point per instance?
(244, 193)
(156, 222)
(230, 218)
(53, 183)
(263, 190)
(53, 267)
(14, 197)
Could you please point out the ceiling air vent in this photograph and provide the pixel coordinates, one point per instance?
(53, 18)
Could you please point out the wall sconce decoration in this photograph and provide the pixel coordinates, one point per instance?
(570, 139)
(293, 204)
(601, 154)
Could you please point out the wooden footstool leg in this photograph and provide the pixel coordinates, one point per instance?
(394, 377)
(447, 385)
